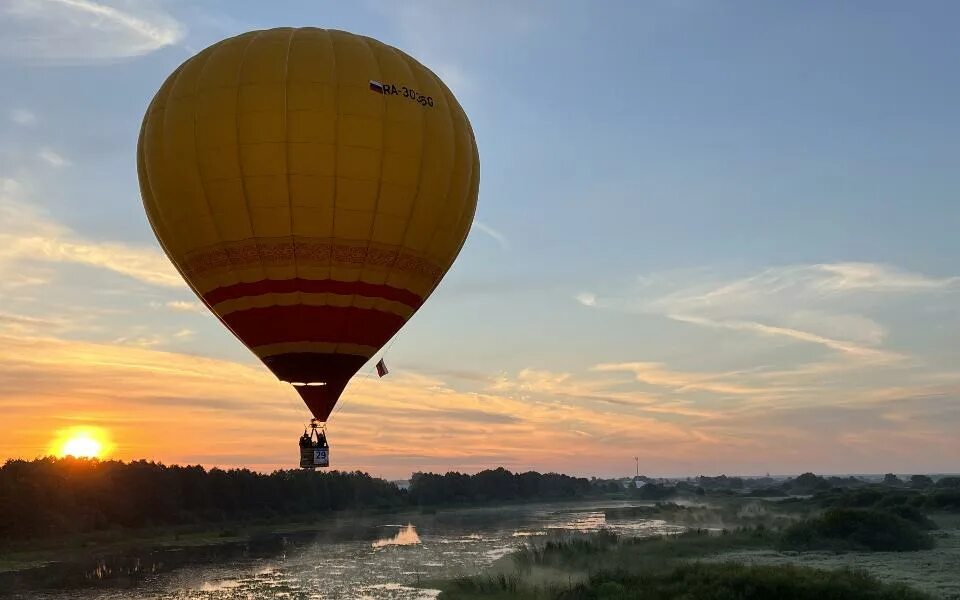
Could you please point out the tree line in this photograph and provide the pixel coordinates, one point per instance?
(52, 497)
(499, 485)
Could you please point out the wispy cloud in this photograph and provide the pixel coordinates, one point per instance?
(580, 391)
(657, 374)
(807, 284)
(496, 235)
(586, 298)
(184, 306)
(53, 158)
(795, 336)
(27, 235)
(814, 304)
(872, 277)
(436, 35)
(821, 304)
(84, 31)
(22, 116)
(857, 350)
(15, 324)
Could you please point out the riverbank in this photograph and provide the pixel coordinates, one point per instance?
(21, 555)
(461, 540)
(122, 558)
(749, 562)
(18, 555)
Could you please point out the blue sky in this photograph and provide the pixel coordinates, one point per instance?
(720, 236)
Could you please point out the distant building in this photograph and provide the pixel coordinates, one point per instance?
(403, 484)
(636, 482)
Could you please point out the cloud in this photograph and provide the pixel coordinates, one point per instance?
(657, 375)
(186, 400)
(22, 116)
(814, 304)
(819, 304)
(794, 337)
(185, 306)
(846, 347)
(496, 235)
(84, 31)
(806, 285)
(53, 158)
(195, 407)
(608, 392)
(27, 235)
(854, 276)
(446, 37)
(586, 298)
(143, 341)
(422, 30)
(25, 324)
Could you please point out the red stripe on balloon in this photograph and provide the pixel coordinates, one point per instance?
(302, 323)
(312, 286)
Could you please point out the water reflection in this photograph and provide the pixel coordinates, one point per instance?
(358, 558)
(405, 537)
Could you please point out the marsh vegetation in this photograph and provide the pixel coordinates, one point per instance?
(863, 540)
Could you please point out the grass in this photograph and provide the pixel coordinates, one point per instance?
(602, 565)
(731, 581)
(720, 513)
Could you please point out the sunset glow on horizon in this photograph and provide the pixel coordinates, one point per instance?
(81, 442)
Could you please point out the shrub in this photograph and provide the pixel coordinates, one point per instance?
(844, 529)
(912, 514)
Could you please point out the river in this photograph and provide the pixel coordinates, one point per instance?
(367, 559)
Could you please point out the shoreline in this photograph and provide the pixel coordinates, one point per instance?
(79, 560)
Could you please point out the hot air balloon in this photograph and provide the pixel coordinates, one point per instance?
(312, 187)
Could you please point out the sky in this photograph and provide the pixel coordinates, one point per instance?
(719, 237)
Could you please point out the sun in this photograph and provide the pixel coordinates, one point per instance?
(81, 442)
(82, 446)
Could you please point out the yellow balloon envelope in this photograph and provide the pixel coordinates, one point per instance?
(312, 186)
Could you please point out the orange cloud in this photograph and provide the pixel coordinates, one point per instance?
(178, 408)
(181, 408)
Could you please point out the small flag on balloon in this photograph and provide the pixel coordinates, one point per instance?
(376, 86)
(382, 368)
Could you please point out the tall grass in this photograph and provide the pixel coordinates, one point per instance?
(603, 565)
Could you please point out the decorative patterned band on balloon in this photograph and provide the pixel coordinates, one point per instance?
(301, 323)
(309, 251)
(306, 299)
(312, 286)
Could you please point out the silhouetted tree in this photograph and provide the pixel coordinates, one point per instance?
(51, 496)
